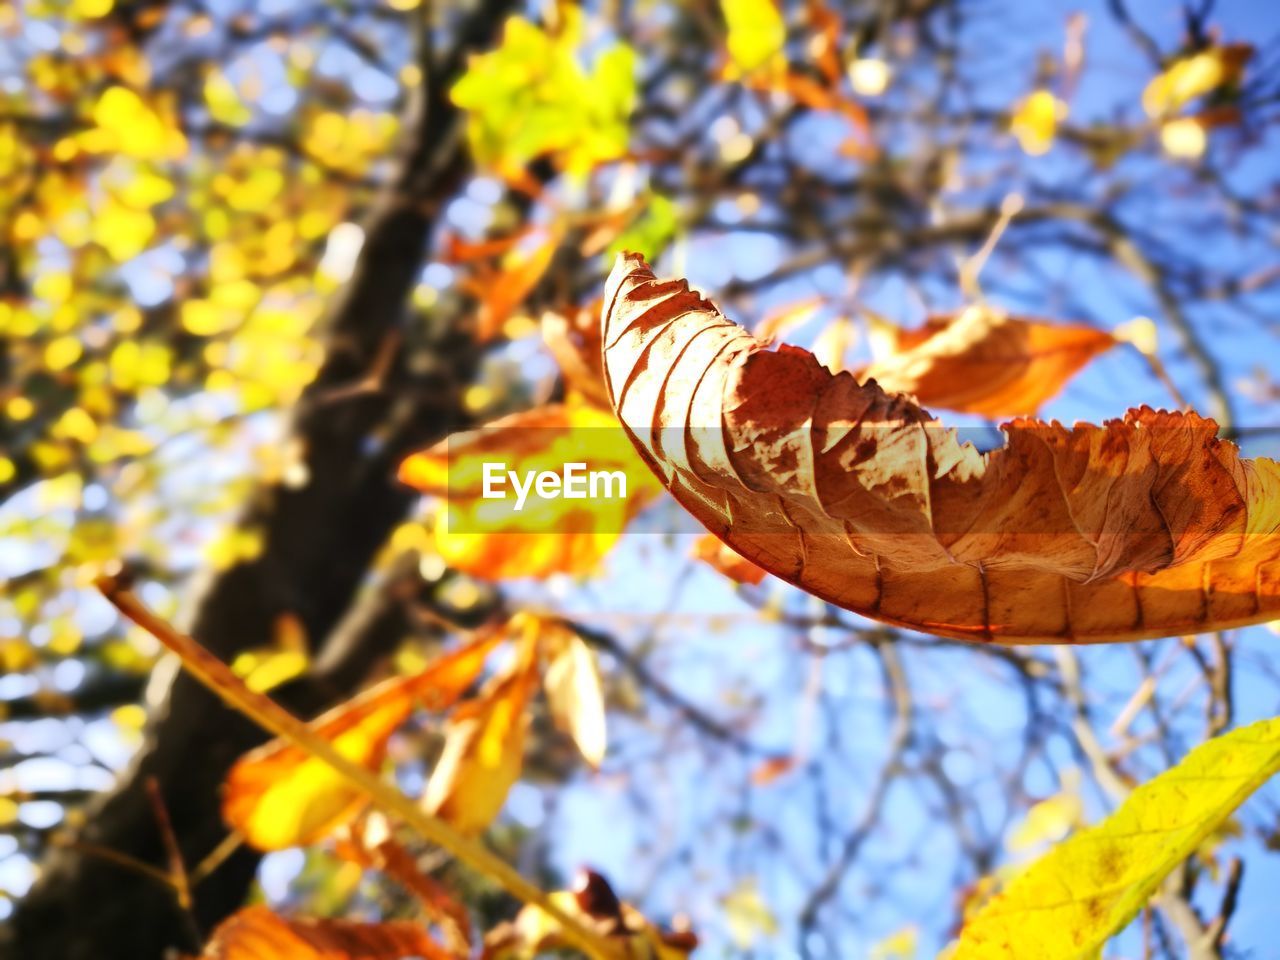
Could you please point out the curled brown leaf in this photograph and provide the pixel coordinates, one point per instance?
(1141, 527)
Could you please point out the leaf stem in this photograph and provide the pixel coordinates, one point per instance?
(264, 711)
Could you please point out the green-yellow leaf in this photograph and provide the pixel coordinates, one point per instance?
(1084, 890)
(757, 34)
(532, 97)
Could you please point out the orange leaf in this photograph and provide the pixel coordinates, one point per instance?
(711, 549)
(255, 933)
(458, 250)
(574, 340)
(503, 536)
(1143, 527)
(772, 769)
(483, 751)
(278, 797)
(984, 362)
(503, 292)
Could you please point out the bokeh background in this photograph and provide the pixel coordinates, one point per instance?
(254, 254)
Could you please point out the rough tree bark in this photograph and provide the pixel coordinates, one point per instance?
(363, 412)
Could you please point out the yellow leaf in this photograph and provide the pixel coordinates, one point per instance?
(263, 669)
(483, 751)
(223, 101)
(53, 286)
(902, 945)
(1071, 900)
(146, 189)
(130, 125)
(1035, 121)
(757, 35)
(121, 230)
(532, 97)
(1047, 821)
(747, 914)
(233, 546)
(204, 318)
(1193, 76)
(75, 424)
(92, 9)
(279, 797)
(16, 655)
(62, 352)
(572, 682)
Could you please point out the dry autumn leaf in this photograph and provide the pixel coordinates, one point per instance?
(255, 933)
(1145, 526)
(574, 340)
(572, 683)
(501, 289)
(592, 901)
(483, 750)
(1094, 883)
(277, 796)
(712, 550)
(985, 362)
(505, 537)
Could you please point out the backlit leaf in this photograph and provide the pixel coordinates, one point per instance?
(1146, 526)
(256, 933)
(985, 362)
(572, 682)
(712, 550)
(483, 750)
(128, 124)
(756, 37)
(279, 797)
(1035, 121)
(1085, 889)
(1192, 76)
(531, 97)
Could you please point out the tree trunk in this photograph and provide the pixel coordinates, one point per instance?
(355, 422)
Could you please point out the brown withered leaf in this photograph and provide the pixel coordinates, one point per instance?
(592, 902)
(712, 550)
(256, 933)
(1142, 527)
(985, 362)
(277, 796)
